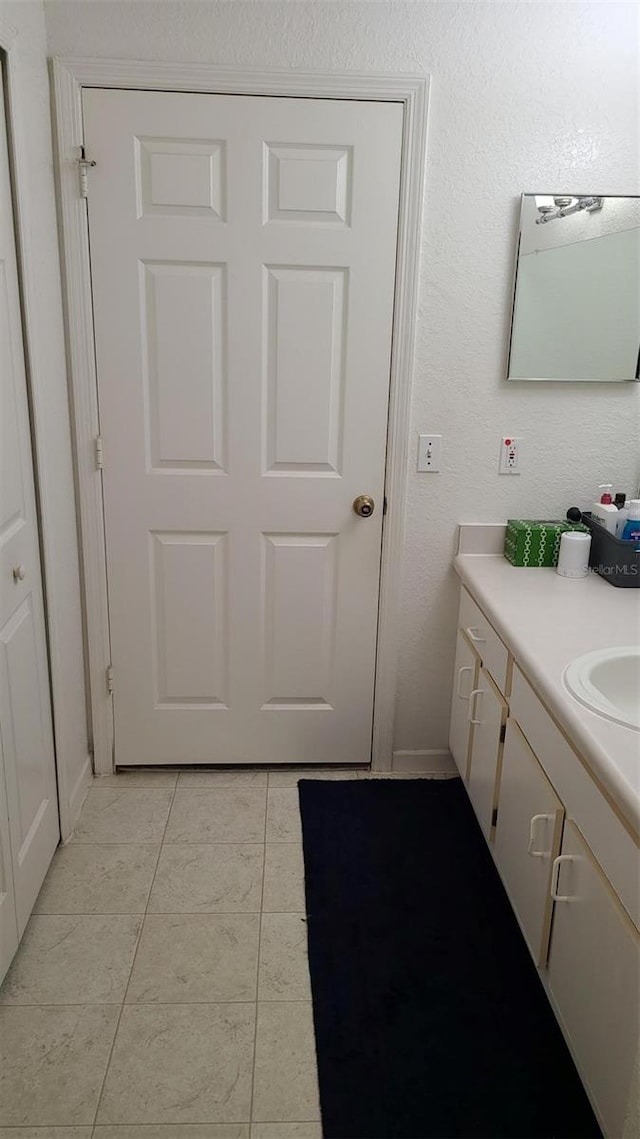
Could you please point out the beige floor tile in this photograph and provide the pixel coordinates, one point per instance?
(172, 1131)
(409, 775)
(135, 815)
(180, 1064)
(208, 879)
(73, 960)
(98, 880)
(285, 1081)
(185, 958)
(152, 777)
(283, 815)
(224, 814)
(46, 1132)
(284, 970)
(286, 1131)
(52, 1063)
(291, 778)
(283, 878)
(222, 779)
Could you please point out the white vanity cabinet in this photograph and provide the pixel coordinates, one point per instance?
(479, 708)
(488, 714)
(594, 977)
(568, 860)
(465, 679)
(528, 833)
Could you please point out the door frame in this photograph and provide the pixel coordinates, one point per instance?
(69, 77)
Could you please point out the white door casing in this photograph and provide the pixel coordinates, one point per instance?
(26, 735)
(243, 256)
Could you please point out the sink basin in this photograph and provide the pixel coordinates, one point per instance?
(608, 682)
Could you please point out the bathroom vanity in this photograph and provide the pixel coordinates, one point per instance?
(556, 790)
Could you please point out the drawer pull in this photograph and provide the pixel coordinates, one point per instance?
(465, 668)
(555, 875)
(532, 829)
(474, 635)
(472, 695)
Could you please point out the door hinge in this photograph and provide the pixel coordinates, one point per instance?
(494, 816)
(503, 733)
(84, 164)
(110, 678)
(99, 453)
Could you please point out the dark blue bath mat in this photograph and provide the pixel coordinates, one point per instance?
(430, 1018)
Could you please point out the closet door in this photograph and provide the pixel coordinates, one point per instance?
(25, 714)
(8, 920)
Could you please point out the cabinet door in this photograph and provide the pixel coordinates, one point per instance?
(594, 978)
(8, 921)
(465, 675)
(528, 834)
(488, 713)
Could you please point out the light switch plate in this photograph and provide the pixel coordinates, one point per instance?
(429, 453)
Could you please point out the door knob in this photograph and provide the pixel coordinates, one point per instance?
(364, 505)
(19, 573)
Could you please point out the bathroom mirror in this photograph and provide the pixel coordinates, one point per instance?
(576, 307)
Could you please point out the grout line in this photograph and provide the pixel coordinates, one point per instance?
(168, 914)
(199, 842)
(156, 1004)
(255, 1032)
(124, 997)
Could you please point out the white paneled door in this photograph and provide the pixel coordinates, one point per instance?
(243, 260)
(29, 829)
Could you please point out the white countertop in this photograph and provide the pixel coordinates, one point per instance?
(547, 621)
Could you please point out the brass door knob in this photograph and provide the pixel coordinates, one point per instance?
(364, 505)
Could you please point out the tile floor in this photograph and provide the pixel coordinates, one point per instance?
(161, 990)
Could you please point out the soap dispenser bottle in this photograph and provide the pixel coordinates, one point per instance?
(604, 511)
(631, 532)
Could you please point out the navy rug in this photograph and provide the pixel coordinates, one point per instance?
(430, 1018)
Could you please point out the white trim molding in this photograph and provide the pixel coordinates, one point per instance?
(70, 76)
(430, 762)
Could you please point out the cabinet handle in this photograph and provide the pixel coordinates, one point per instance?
(472, 695)
(555, 875)
(473, 634)
(532, 827)
(466, 668)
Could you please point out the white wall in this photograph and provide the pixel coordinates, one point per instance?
(29, 91)
(524, 95)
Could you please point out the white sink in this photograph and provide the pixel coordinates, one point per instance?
(608, 682)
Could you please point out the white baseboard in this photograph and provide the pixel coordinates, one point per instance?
(434, 761)
(77, 797)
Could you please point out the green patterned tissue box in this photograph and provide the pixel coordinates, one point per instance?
(535, 543)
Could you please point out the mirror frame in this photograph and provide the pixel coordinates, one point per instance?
(553, 379)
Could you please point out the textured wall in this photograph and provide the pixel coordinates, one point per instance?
(49, 396)
(525, 96)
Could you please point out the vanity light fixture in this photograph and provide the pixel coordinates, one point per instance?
(561, 207)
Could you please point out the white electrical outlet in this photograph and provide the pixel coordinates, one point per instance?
(509, 455)
(429, 450)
